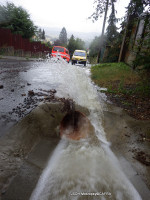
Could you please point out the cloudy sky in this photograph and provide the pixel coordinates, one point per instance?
(71, 14)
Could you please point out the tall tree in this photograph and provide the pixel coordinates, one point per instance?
(80, 44)
(63, 36)
(100, 9)
(17, 19)
(71, 45)
(75, 44)
(135, 7)
(43, 35)
(39, 34)
(111, 31)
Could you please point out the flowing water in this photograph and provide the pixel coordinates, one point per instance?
(86, 169)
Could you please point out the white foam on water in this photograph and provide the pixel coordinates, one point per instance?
(81, 166)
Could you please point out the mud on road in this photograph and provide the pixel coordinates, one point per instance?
(19, 91)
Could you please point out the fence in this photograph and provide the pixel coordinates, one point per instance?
(14, 44)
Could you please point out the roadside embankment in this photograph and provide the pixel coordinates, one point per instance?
(126, 88)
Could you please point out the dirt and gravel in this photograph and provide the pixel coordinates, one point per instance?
(136, 106)
(128, 139)
(135, 142)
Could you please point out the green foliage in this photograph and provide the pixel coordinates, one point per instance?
(57, 42)
(80, 44)
(40, 35)
(71, 45)
(98, 45)
(100, 6)
(75, 44)
(119, 78)
(112, 29)
(142, 60)
(114, 39)
(107, 72)
(113, 52)
(17, 20)
(43, 35)
(93, 60)
(48, 44)
(63, 37)
(94, 47)
(143, 88)
(136, 7)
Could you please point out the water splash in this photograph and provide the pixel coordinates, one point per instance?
(81, 166)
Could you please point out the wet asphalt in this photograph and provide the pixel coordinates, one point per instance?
(19, 93)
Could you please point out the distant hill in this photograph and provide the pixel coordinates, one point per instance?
(53, 33)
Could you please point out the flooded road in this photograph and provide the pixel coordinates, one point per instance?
(77, 170)
(17, 78)
(14, 87)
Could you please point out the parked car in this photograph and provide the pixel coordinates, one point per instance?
(62, 52)
(79, 57)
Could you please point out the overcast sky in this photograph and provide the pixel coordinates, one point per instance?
(71, 14)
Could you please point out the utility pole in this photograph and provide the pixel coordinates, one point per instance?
(103, 29)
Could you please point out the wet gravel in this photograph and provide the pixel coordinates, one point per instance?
(19, 94)
(22, 88)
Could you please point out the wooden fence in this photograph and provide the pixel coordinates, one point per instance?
(19, 44)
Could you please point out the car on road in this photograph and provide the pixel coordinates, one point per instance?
(79, 57)
(62, 52)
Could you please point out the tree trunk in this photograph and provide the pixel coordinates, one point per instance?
(103, 29)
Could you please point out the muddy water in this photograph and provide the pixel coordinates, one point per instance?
(85, 169)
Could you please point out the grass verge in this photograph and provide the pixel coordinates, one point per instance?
(127, 88)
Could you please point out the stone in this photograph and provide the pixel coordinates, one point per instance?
(31, 93)
(53, 91)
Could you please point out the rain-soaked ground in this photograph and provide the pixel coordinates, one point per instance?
(24, 84)
(14, 87)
